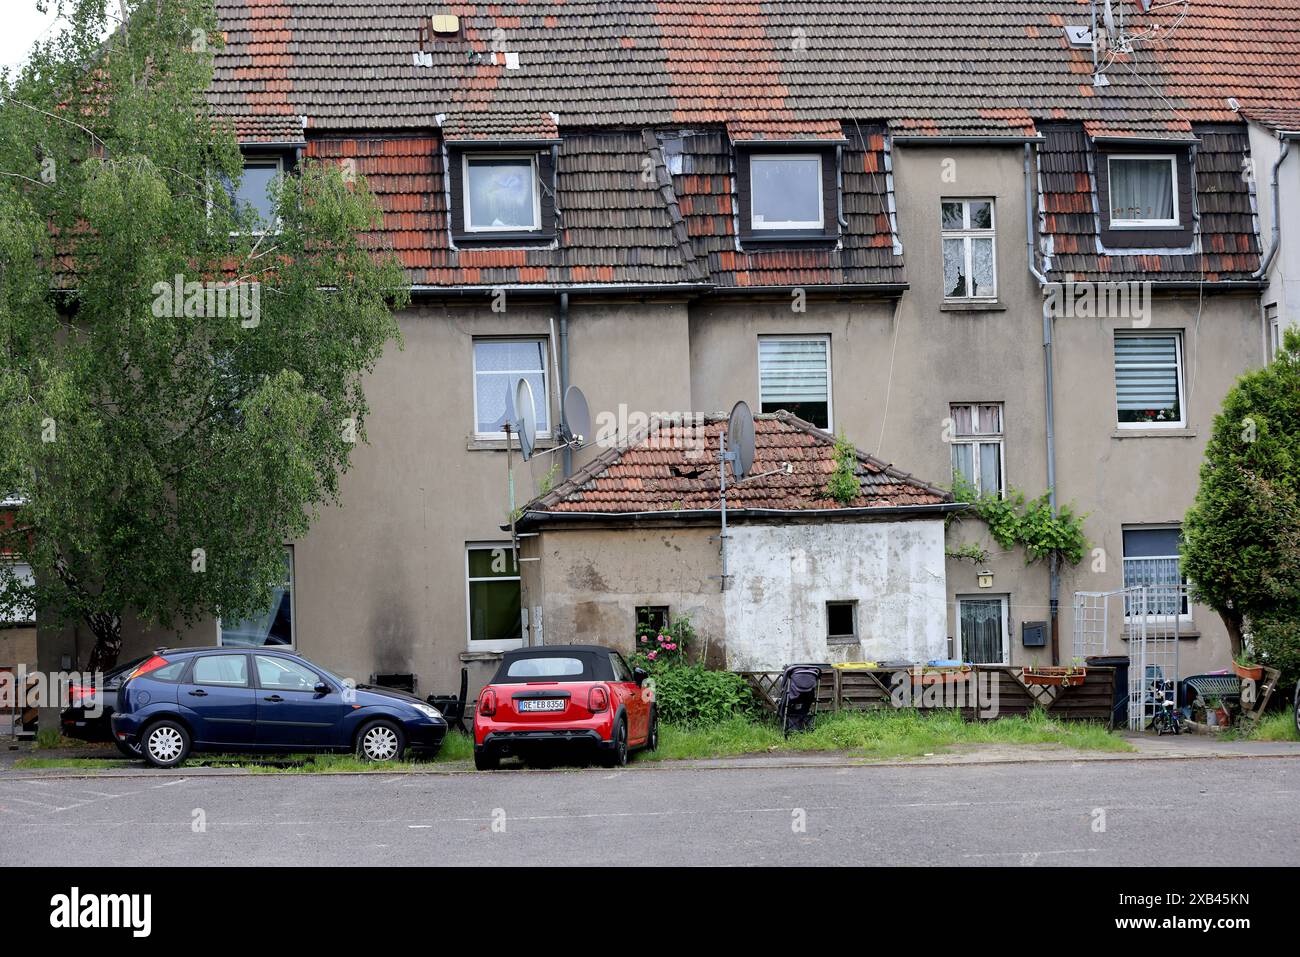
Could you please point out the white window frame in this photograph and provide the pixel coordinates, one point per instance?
(293, 612)
(487, 645)
(1181, 421)
(1142, 223)
(830, 385)
(820, 222)
(1274, 321)
(1005, 600)
(516, 375)
(14, 564)
(253, 159)
(1184, 618)
(977, 439)
(465, 160)
(966, 234)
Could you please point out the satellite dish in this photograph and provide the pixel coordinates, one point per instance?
(577, 415)
(526, 413)
(740, 439)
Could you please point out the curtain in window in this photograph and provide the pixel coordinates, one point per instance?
(1141, 189)
(981, 630)
(1146, 378)
(498, 365)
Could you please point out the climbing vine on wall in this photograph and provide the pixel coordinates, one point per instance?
(1018, 520)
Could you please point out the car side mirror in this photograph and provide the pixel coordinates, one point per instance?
(321, 688)
(639, 675)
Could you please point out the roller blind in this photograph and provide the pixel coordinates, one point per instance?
(793, 370)
(1146, 372)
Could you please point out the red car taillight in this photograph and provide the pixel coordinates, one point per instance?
(487, 703)
(79, 696)
(597, 700)
(153, 664)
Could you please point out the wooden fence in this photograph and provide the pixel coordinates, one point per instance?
(987, 692)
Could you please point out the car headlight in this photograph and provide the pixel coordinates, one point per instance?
(429, 711)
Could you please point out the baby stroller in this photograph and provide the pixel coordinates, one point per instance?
(796, 705)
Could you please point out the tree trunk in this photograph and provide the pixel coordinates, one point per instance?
(1233, 622)
(107, 630)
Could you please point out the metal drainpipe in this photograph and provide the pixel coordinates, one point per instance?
(564, 371)
(1275, 241)
(1049, 406)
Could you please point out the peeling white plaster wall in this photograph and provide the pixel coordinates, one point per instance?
(783, 575)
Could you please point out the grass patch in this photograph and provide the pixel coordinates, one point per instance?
(1279, 726)
(881, 735)
(70, 763)
(455, 747)
(50, 740)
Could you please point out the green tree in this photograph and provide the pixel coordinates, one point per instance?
(162, 448)
(1241, 537)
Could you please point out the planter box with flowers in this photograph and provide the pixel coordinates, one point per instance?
(1068, 677)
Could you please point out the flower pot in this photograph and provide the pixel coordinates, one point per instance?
(1249, 672)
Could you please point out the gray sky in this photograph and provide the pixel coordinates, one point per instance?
(20, 27)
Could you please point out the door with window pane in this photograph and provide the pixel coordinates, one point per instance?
(494, 598)
(983, 630)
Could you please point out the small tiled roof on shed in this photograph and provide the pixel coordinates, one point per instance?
(672, 467)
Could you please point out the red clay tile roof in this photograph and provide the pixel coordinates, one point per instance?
(678, 81)
(938, 67)
(673, 467)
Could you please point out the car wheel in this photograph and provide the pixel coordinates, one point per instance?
(380, 741)
(166, 744)
(130, 750)
(652, 736)
(485, 760)
(616, 757)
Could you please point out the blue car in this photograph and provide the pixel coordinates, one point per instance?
(263, 700)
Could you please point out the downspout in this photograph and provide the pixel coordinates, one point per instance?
(1049, 404)
(564, 371)
(1275, 241)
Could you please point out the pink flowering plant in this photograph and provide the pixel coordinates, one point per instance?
(664, 647)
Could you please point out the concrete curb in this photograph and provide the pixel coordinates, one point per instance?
(739, 763)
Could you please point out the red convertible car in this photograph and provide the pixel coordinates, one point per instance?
(564, 696)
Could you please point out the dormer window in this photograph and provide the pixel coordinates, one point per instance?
(787, 195)
(786, 192)
(253, 197)
(501, 194)
(1143, 191)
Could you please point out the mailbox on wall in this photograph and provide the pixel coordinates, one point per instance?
(1033, 634)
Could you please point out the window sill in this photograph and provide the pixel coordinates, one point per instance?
(1175, 433)
(1182, 635)
(471, 656)
(844, 640)
(991, 305)
(776, 238)
(476, 444)
(463, 240)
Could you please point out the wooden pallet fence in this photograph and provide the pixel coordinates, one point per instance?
(866, 689)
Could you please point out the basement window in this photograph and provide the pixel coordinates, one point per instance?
(841, 622)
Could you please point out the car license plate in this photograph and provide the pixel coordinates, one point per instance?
(542, 704)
